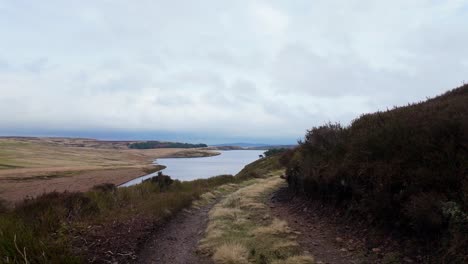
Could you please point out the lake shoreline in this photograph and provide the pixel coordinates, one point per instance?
(191, 168)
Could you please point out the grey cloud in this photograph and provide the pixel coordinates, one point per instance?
(245, 91)
(195, 79)
(297, 69)
(278, 67)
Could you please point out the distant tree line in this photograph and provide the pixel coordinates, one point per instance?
(159, 144)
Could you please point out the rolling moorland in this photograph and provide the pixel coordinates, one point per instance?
(32, 166)
(389, 188)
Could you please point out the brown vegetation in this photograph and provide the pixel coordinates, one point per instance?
(405, 169)
(84, 227)
(105, 224)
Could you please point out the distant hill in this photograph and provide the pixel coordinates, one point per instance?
(251, 146)
(103, 144)
(268, 147)
(242, 145)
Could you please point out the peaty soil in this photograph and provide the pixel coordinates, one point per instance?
(177, 241)
(331, 237)
(144, 240)
(113, 242)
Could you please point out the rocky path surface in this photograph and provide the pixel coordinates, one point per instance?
(176, 242)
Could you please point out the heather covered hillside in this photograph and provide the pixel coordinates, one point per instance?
(405, 169)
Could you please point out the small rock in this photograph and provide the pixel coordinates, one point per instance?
(339, 240)
(343, 249)
(376, 250)
(305, 209)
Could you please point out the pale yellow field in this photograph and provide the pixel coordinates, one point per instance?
(31, 166)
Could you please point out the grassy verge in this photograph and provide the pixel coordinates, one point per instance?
(241, 229)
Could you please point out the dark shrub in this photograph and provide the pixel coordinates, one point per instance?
(50, 210)
(104, 187)
(163, 181)
(3, 206)
(396, 167)
(424, 211)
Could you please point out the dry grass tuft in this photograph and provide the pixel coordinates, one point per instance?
(232, 201)
(277, 227)
(239, 219)
(231, 253)
(229, 213)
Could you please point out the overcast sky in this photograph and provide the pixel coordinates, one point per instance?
(217, 70)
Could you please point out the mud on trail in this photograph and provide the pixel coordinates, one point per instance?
(176, 242)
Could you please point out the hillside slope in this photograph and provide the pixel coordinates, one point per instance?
(405, 169)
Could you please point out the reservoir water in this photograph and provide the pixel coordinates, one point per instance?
(186, 169)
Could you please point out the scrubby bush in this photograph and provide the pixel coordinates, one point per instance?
(397, 167)
(104, 187)
(36, 230)
(163, 181)
(3, 206)
(49, 211)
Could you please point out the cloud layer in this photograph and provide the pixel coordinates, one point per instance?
(237, 69)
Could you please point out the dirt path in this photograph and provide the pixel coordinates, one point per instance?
(176, 242)
(317, 235)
